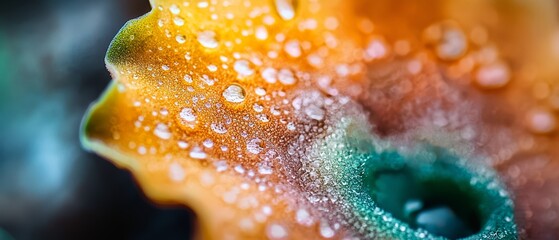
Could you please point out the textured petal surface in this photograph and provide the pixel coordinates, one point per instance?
(272, 118)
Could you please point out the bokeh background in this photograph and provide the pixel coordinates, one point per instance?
(51, 69)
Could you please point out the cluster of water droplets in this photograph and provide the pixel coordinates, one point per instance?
(245, 105)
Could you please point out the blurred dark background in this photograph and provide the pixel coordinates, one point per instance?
(51, 69)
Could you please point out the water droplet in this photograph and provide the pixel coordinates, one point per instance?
(242, 67)
(207, 39)
(234, 93)
(208, 143)
(165, 68)
(326, 231)
(220, 166)
(263, 118)
(276, 231)
(162, 131)
(180, 39)
(197, 153)
(293, 48)
(187, 114)
(260, 91)
(212, 68)
(493, 76)
(188, 78)
(269, 74)
(315, 60)
(414, 67)
(208, 80)
(303, 217)
(265, 170)
(286, 77)
(182, 144)
(178, 21)
(450, 42)
(218, 128)
(541, 121)
(376, 49)
(286, 9)
(291, 126)
(142, 150)
(176, 172)
(203, 4)
(261, 33)
(239, 169)
(258, 108)
(174, 9)
(254, 146)
(315, 112)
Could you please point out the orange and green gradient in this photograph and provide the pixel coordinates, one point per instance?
(338, 119)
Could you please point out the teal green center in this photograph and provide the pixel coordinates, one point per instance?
(440, 196)
(421, 192)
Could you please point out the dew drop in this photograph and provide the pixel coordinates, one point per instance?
(276, 231)
(239, 169)
(453, 46)
(212, 68)
(285, 9)
(207, 39)
(208, 143)
(375, 50)
(178, 21)
(265, 170)
(162, 131)
(293, 48)
(260, 91)
(493, 76)
(315, 60)
(261, 33)
(242, 67)
(234, 93)
(326, 231)
(285, 76)
(142, 150)
(269, 75)
(187, 78)
(291, 126)
(220, 166)
(176, 172)
(174, 9)
(315, 112)
(203, 4)
(180, 39)
(254, 146)
(263, 118)
(258, 108)
(182, 144)
(187, 114)
(218, 128)
(541, 121)
(197, 153)
(449, 41)
(303, 217)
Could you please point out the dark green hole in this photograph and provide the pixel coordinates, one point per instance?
(438, 192)
(441, 205)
